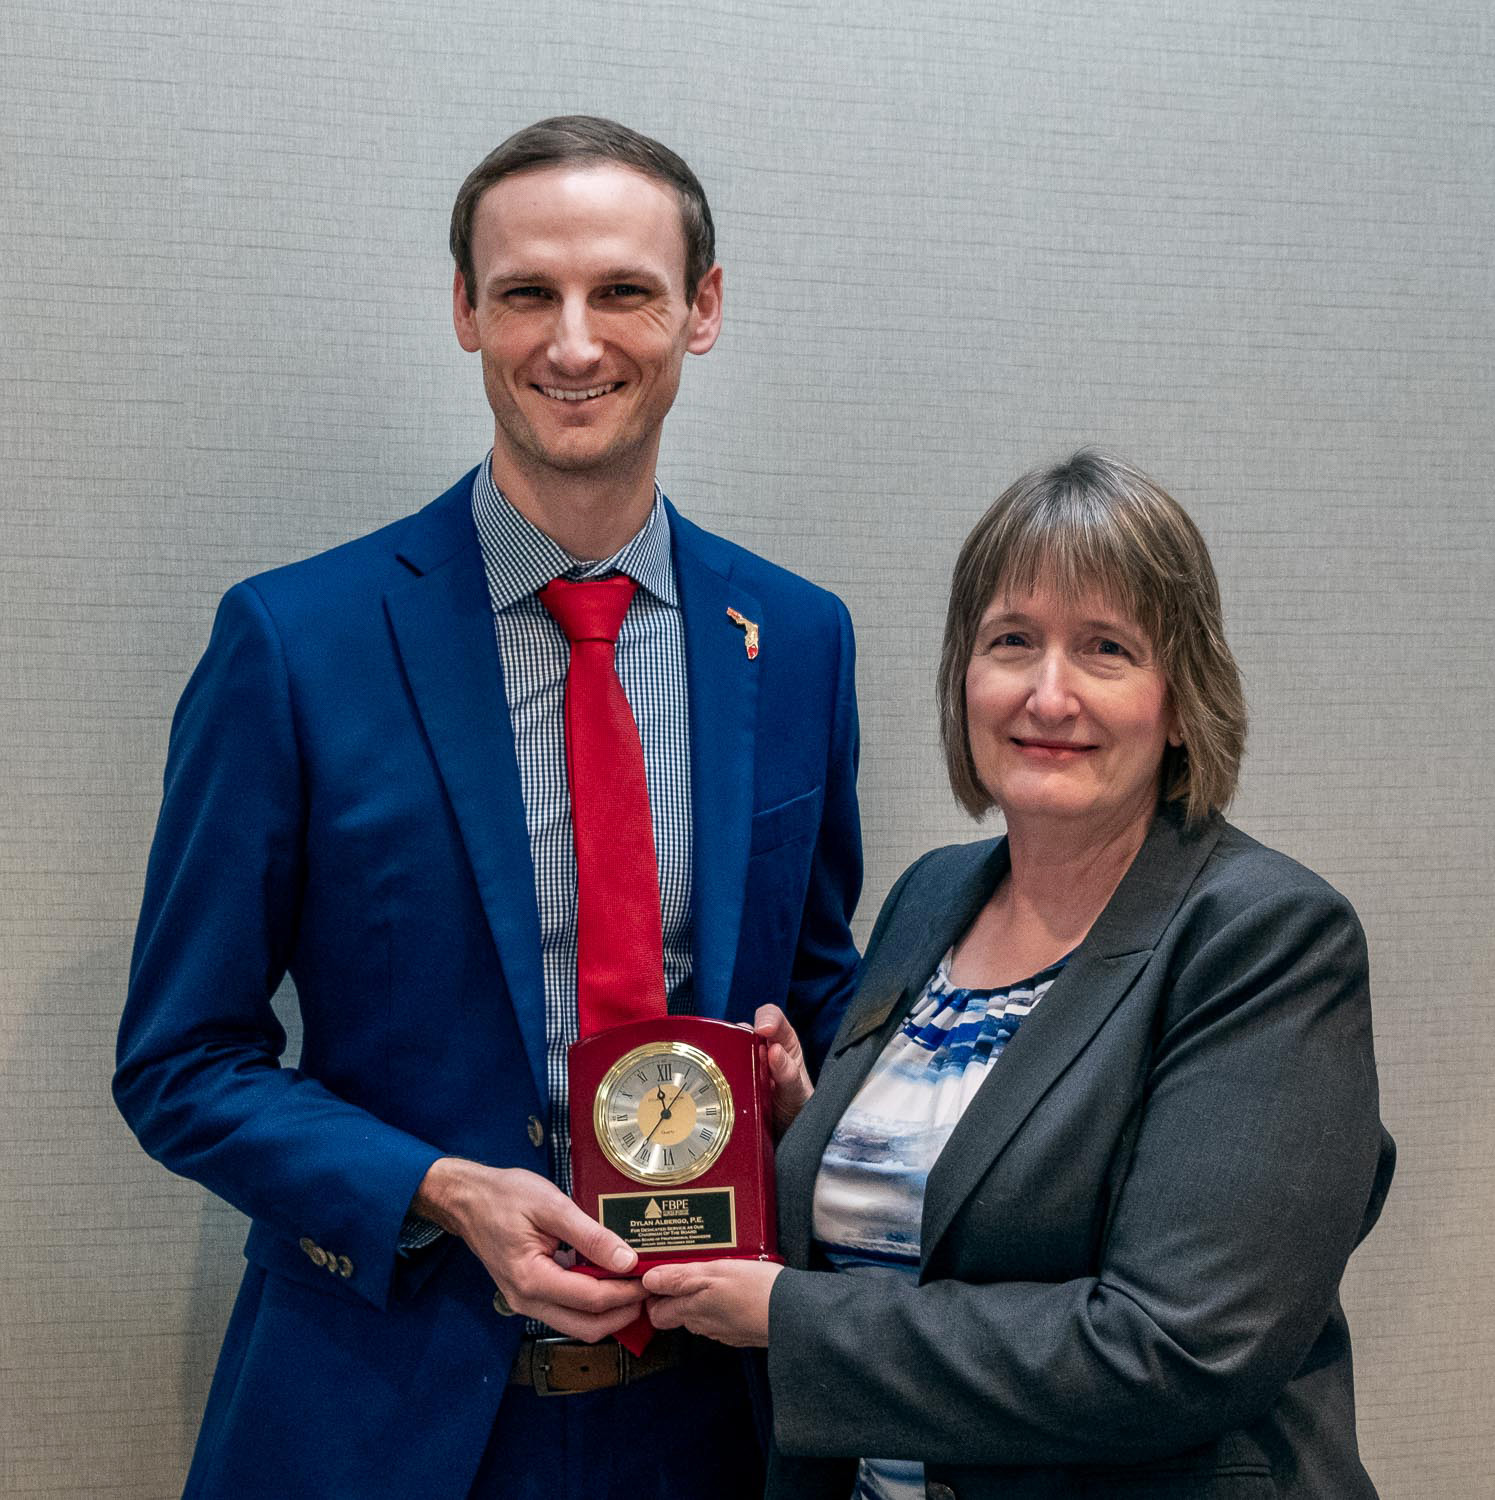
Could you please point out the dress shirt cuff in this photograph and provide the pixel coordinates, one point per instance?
(417, 1234)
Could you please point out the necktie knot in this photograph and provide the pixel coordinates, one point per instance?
(589, 609)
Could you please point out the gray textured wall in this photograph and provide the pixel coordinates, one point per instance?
(1246, 247)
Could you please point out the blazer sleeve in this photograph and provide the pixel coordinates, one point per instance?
(825, 962)
(199, 1076)
(1253, 1165)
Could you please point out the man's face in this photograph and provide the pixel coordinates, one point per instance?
(581, 318)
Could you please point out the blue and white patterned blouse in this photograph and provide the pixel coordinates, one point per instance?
(869, 1193)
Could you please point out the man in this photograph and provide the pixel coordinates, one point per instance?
(367, 788)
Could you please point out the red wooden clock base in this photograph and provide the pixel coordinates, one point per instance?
(658, 1097)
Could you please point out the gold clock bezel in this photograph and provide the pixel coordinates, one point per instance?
(625, 1064)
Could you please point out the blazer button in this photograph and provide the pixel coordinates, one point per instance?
(938, 1492)
(344, 1267)
(318, 1255)
(307, 1247)
(536, 1132)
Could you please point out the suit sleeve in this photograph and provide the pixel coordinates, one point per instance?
(1253, 1164)
(825, 962)
(199, 1075)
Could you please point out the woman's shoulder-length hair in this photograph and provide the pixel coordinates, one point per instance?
(1093, 523)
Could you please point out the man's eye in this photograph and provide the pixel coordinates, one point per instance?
(524, 293)
(626, 289)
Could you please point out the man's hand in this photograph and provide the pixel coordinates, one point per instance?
(726, 1300)
(786, 1064)
(514, 1221)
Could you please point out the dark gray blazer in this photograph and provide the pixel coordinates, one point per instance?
(1133, 1241)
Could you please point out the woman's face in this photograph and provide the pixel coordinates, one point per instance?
(1068, 710)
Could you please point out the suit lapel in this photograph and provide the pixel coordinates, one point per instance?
(443, 628)
(1092, 985)
(925, 925)
(938, 904)
(723, 688)
(1051, 1038)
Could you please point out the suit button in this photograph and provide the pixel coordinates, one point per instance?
(318, 1255)
(536, 1132)
(307, 1247)
(938, 1492)
(344, 1267)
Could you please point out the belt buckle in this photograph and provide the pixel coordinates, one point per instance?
(540, 1366)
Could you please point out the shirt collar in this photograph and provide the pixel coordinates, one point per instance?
(520, 559)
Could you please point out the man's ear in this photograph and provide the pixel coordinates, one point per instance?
(706, 312)
(464, 315)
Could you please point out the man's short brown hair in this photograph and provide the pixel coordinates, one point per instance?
(575, 140)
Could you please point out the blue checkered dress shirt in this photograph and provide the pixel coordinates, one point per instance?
(519, 560)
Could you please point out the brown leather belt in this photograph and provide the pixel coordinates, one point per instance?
(567, 1367)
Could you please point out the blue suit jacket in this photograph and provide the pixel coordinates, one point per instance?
(342, 804)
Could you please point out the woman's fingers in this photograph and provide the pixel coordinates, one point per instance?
(773, 1026)
(786, 1066)
(725, 1300)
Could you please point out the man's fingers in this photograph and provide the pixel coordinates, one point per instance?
(603, 1248)
(590, 1327)
(565, 1221)
(539, 1279)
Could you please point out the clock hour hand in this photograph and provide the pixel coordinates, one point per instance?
(664, 1109)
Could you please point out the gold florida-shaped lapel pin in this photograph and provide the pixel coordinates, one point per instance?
(749, 631)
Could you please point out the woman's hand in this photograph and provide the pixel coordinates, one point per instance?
(786, 1065)
(726, 1300)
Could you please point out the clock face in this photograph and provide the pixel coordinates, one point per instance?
(663, 1112)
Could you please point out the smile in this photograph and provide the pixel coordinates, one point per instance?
(559, 393)
(1058, 749)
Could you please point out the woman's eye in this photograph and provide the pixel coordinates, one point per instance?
(1111, 648)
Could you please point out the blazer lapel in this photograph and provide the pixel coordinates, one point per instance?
(1093, 983)
(723, 688)
(443, 628)
(923, 924)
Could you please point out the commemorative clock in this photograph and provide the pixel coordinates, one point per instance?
(670, 1140)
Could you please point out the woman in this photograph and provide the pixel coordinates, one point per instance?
(1068, 1212)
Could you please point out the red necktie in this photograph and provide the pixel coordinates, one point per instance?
(619, 945)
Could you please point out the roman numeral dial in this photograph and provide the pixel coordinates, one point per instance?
(663, 1113)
